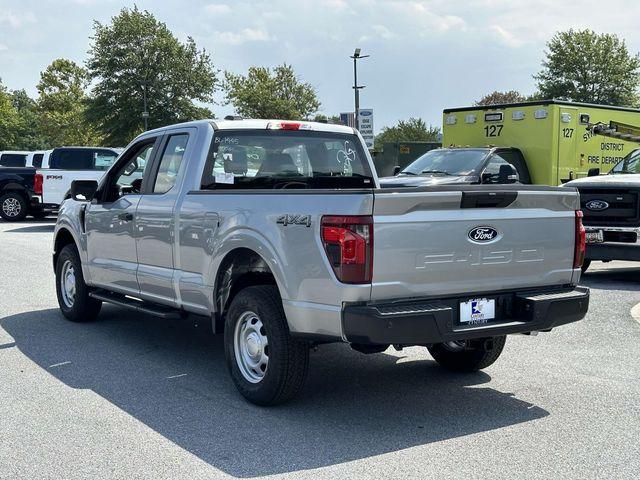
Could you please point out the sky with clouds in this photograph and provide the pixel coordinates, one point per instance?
(425, 55)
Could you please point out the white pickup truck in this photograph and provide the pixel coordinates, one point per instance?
(279, 233)
(61, 166)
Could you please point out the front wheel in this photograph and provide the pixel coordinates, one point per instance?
(468, 355)
(266, 364)
(13, 207)
(73, 294)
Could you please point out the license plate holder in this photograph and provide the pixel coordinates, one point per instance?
(477, 311)
(595, 236)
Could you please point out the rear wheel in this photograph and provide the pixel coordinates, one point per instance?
(468, 355)
(13, 207)
(266, 364)
(73, 293)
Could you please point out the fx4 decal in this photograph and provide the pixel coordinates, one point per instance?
(290, 219)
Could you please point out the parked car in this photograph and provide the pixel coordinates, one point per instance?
(611, 206)
(446, 166)
(62, 165)
(278, 233)
(17, 194)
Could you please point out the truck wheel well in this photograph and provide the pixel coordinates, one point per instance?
(241, 268)
(63, 239)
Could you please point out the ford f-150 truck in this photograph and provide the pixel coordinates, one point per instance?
(17, 194)
(278, 232)
(63, 165)
(611, 206)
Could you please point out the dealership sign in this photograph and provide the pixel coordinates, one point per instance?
(365, 121)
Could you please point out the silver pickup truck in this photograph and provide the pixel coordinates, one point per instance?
(278, 232)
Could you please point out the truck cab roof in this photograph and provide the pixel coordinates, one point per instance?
(257, 124)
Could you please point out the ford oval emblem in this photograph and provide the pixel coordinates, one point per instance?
(482, 234)
(597, 205)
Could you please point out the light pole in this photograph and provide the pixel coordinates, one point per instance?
(356, 88)
(145, 113)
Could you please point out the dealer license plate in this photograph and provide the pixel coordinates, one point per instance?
(477, 311)
(595, 237)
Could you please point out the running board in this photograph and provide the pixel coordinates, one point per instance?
(134, 304)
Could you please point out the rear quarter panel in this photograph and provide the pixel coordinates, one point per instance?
(211, 225)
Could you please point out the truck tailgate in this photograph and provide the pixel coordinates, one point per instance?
(423, 242)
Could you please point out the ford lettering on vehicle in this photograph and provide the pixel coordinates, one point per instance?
(482, 234)
(597, 205)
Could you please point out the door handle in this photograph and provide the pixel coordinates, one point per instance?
(126, 217)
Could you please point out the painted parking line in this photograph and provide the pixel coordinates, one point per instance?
(635, 312)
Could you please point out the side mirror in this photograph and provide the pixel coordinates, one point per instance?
(396, 170)
(83, 190)
(593, 172)
(507, 174)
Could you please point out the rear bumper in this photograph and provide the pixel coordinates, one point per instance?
(613, 251)
(427, 322)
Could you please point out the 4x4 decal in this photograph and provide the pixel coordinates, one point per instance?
(292, 219)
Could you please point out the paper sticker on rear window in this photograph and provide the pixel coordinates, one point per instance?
(223, 177)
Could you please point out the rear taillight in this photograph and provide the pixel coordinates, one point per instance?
(37, 184)
(580, 245)
(348, 241)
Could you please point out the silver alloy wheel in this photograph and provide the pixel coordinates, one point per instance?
(11, 207)
(251, 347)
(68, 283)
(455, 345)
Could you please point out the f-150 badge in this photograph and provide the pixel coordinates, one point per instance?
(289, 219)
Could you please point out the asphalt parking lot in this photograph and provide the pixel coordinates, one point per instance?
(132, 396)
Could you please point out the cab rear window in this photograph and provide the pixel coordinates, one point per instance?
(81, 159)
(273, 159)
(13, 160)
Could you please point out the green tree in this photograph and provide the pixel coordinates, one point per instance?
(498, 98)
(9, 121)
(62, 105)
(584, 66)
(264, 93)
(28, 132)
(136, 55)
(412, 130)
(321, 117)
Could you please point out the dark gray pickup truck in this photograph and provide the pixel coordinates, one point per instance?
(18, 197)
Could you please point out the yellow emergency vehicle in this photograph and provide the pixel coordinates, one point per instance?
(552, 135)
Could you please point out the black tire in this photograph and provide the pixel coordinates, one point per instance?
(82, 308)
(470, 359)
(585, 265)
(288, 358)
(13, 207)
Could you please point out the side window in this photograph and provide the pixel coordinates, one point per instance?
(103, 160)
(516, 159)
(37, 160)
(126, 178)
(492, 170)
(170, 163)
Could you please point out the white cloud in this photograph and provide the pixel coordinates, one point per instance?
(16, 20)
(3, 47)
(384, 32)
(243, 36)
(218, 9)
(508, 38)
